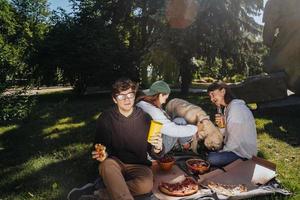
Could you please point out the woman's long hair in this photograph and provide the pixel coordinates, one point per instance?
(153, 100)
(219, 85)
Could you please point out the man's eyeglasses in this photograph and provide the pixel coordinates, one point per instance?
(122, 97)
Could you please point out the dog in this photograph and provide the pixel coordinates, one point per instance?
(213, 138)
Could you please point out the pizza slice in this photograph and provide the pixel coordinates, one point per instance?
(226, 189)
(101, 150)
(183, 188)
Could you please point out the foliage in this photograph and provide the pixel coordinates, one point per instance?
(102, 40)
(11, 48)
(27, 26)
(224, 37)
(22, 26)
(15, 106)
(160, 63)
(222, 42)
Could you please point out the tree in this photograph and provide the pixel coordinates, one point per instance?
(32, 17)
(101, 41)
(10, 45)
(223, 30)
(15, 52)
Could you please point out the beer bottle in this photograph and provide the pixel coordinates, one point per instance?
(220, 124)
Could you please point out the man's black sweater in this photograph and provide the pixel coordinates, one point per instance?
(125, 137)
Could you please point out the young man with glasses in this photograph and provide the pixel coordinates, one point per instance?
(123, 131)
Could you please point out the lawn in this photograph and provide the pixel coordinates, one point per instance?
(46, 155)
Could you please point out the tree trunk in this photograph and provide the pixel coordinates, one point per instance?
(186, 75)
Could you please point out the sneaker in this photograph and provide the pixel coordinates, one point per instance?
(76, 193)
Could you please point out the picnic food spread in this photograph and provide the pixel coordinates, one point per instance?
(226, 189)
(183, 188)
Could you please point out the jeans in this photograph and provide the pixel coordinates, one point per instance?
(169, 142)
(220, 159)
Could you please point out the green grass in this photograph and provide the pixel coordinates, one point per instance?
(48, 154)
(279, 142)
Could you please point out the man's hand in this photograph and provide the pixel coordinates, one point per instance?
(156, 142)
(99, 153)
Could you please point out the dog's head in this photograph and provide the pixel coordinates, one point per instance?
(213, 143)
(213, 139)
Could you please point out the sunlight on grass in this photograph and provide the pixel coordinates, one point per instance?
(260, 124)
(284, 155)
(31, 166)
(96, 116)
(281, 128)
(75, 150)
(36, 164)
(65, 120)
(63, 126)
(252, 106)
(4, 129)
(45, 116)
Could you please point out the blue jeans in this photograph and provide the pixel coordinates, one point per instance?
(220, 159)
(169, 142)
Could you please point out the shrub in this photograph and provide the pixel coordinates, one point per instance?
(15, 106)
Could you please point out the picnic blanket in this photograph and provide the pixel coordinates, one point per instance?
(272, 187)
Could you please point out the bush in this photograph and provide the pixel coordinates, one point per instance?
(15, 106)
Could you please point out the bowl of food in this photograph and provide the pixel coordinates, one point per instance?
(197, 166)
(166, 163)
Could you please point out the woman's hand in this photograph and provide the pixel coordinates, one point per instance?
(100, 153)
(156, 142)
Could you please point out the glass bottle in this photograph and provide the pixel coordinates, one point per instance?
(220, 124)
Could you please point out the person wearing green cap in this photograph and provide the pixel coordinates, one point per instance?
(173, 130)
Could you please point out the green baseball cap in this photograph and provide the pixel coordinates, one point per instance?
(158, 87)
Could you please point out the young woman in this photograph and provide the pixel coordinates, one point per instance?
(173, 131)
(240, 130)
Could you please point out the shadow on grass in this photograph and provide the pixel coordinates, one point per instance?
(44, 149)
(284, 125)
(53, 181)
(49, 153)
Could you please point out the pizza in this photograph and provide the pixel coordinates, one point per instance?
(100, 149)
(183, 188)
(226, 189)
